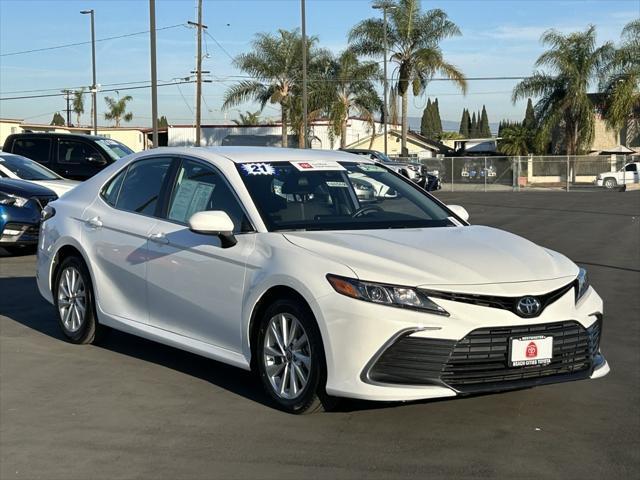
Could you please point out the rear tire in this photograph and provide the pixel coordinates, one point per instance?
(74, 301)
(290, 357)
(610, 183)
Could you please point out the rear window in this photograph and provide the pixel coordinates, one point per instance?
(34, 148)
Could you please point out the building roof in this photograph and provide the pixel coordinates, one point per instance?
(411, 136)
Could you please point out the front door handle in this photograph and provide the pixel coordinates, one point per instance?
(94, 222)
(159, 238)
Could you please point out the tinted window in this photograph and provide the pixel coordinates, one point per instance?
(34, 148)
(630, 168)
(142, 184)
(200, 187)
(112, 190)
(70, 151)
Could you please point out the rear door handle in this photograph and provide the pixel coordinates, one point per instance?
(94, 222)
(159, 238)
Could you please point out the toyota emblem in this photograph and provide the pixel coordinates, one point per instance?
(528, 306)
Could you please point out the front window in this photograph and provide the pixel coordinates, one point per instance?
(116, 150)
(27, 169)
(74, 152)
(338, 196)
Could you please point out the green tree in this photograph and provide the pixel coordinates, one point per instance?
(573, 62)
(450, 136)
(529, 116)
(163, 122)
(464, 124)
(484, 128)
(473, 131)
(250, 118)
(426, 129)
(57, 120)
(514, 140)
(77, 104)
(351, 89)
(118, 109)
(437, 121)
(414, 41)
(275, 65)
(622, 85)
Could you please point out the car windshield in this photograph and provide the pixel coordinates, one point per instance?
(115, 149)
(27, 169)
(331, 195)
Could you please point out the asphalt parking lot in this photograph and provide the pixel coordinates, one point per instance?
(130, 408)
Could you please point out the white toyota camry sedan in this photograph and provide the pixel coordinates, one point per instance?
(268, 259)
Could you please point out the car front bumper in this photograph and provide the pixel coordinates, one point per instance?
(18, 226)
(383, 353)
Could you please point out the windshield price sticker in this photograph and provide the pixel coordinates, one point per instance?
(258, 169)
(337, 184)
(318, 165)
(369, 167)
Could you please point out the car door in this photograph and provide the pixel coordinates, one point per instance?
(195, 286)
(116, 228)
(78, 160)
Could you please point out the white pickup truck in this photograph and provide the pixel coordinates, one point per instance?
(626, 175)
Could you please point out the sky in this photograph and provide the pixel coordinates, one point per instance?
(499, 38)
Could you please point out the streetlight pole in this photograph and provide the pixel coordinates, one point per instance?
(384, 7)
(304, 73)
(94, 86)
(154, 74)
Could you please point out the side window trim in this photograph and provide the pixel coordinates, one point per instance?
(169, 192)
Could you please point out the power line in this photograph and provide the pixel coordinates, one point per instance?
(220, 45)
(88, 42)
(104, 91)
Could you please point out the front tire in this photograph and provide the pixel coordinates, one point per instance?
(74, 301)
(610, 183)
(290, 357)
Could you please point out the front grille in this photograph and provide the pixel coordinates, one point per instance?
(480, 361)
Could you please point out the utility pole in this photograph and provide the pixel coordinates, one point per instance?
(199, 26)
(94, 86)
(154, 74)
(304, 73)
(385, 113)
(67, 94)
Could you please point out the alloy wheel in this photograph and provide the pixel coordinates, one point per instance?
(72, 299)
(287, 356)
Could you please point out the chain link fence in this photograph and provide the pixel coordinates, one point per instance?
(567, 173)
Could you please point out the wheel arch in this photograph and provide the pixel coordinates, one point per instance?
(64, 251)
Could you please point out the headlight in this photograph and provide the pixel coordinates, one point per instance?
(582, 284)
(391, 295)
(13, 200)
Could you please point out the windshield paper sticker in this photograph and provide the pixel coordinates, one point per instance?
(317, 165)
(337, 184)
(369, 167)
(258, 169)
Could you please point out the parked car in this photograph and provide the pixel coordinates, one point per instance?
(628, 174)
(264, 258)
(413, 171)
(18, 167)
(21, 203)
(77, 157)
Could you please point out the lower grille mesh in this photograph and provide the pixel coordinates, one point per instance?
(480, 360)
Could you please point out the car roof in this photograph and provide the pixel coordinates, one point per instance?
(60, 134)
(265, 154)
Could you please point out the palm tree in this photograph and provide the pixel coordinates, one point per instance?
(573, 62)
(414, 43)
(250, 118)
(78, 104)
(275, 67)
(514, 140)
(352, 90)
(117, 109)
(622, 87)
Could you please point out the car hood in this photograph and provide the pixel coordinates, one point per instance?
(59, 186)
(470, 255)
(23, 188)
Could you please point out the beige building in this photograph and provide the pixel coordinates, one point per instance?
(417, 145)
(136, 138)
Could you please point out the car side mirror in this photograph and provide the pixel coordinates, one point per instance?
(96, 160)
(216, 223)
(459, 211)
